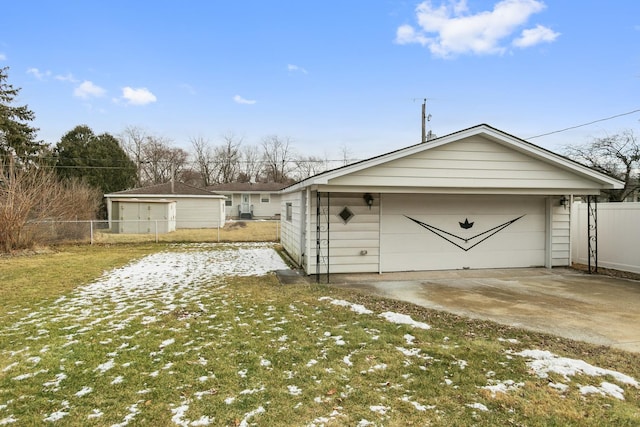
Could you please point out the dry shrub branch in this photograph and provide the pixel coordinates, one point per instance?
(33, 202)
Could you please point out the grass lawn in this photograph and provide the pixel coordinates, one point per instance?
(201, 334)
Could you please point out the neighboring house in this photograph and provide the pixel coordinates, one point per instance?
(478, 198)
(259, 200)
(194, 207)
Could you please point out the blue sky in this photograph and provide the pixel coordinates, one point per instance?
(326, 74)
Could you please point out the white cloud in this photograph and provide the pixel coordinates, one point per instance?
(534, 36)
(38, 74)
(450, 29)
(292, 67)
(66, 78)
(88, 89)
(240, 100)
(139, 96)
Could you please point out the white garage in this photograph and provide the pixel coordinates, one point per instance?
(478, 198)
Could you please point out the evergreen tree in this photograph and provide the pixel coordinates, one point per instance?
(98, 160)
(17, 136)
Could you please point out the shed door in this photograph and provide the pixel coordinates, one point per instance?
(442, 232)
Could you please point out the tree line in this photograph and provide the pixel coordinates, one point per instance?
(66, 181)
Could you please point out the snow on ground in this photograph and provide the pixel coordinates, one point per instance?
(165, 283)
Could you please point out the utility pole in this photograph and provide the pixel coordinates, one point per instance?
(424, 118)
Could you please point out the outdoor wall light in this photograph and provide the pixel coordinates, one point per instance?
(368, 198)
(564, 202)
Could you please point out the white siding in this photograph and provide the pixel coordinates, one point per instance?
(354, 246)
(264, 210)
(199, 213)
(290, 229)
(475, 162)
(560, 234)
(261, 210)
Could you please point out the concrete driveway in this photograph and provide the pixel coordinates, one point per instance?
(564, 302)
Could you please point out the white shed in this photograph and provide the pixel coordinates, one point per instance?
(140, 216)
(195, 207)
(478, 198)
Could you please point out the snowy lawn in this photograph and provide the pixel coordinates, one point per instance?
(205, 335)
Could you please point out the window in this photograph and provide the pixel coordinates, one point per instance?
(265, 198)
(289, 214)
(228, 202)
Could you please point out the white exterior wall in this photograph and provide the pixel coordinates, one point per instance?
(265, 210)
(199, 213)
(261, 210)
(291, 229)
(618, 235)
(560, 234)
(472, 163)
(354, 246)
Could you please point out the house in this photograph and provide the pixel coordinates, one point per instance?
(477, 198)
(194, 207)
(251, 200)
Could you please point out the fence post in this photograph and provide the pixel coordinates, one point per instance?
(91, 231)
(156, 231)
(218, 231)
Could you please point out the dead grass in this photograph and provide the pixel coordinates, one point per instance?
(233, 231)
(32, 277)
(236, 344)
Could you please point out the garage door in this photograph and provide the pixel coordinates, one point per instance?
(441, 232)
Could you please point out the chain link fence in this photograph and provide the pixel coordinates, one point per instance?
(133, 231)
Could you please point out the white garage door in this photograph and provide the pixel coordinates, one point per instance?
(441, 232)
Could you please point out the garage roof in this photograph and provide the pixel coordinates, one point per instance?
(481, 159)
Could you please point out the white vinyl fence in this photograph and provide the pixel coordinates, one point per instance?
(618, 235)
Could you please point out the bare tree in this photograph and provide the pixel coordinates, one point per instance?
(345, 154)
(227, 158)
(250, 164)
(29, 196)
(132, 141)
(205, 160)
(617, 155)
(277, 155)
(161, 161)
(309, 166)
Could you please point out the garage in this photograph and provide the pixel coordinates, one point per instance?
(477, 198)
(435, 232)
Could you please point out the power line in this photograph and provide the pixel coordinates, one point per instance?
(584, 124)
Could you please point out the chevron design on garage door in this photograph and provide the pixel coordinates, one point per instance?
(472, 241)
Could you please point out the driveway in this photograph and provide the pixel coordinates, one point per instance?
(597, 309)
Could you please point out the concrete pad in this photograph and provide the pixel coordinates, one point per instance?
(593, 308)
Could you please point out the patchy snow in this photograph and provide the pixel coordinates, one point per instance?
(543, 362)
(478, 406)
(403, 319)
(503, 387)
(181, 285)
(294, 390)
(249, 415)
(604, 390)
(379, 409)
(357, 308)
(84, 391)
